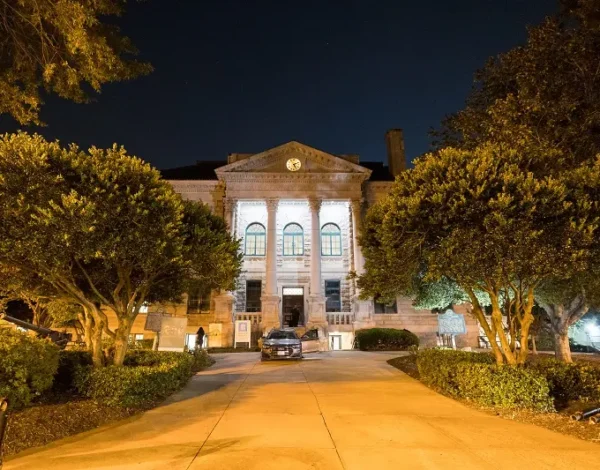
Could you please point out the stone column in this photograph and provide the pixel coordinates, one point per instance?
(270, 299)
(228, 213)
(316, 299)
(363, 309)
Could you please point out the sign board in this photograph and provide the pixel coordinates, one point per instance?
(215, 335)
(153, 321)
(172, 334)
(451, 323)
(243, 331)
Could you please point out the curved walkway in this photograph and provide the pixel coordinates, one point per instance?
(343, 410)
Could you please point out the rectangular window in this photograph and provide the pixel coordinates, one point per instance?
(253, 293)
(199, 300)
(380, 307)
(333, 297)
(139, 336)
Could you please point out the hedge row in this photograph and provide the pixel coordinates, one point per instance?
(475, 377)
(147, 377)
(27, 366)
(385, 339)
(569, 382)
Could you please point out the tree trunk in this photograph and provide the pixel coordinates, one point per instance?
(96, 339)
(121, 341)
(533, 345)
(562, 349)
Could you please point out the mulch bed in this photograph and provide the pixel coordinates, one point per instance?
(43, 423)
(560, 422)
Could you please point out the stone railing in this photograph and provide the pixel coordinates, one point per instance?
(254, 317)
(340, 318)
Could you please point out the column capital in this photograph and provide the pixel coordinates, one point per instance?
(272, 204)
(229, 202)
(356, 203)
(315, 204)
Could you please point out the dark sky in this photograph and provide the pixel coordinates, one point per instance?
(244, 76)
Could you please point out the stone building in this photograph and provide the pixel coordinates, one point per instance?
(297, 211)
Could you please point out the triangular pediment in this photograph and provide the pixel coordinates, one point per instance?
(308, 159)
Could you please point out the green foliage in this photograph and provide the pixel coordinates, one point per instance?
(547, 90)
(27, 366)
(201, 360)
(385, 339)
(69, 362)
(503, 386)
(570, 382)
(64, 47)
(438, 367)
(102, 227)
(147, 377)
(475, 377)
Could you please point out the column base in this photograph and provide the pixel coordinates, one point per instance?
(316, 310)
(220, 335)
(270, 313)
(224, 307)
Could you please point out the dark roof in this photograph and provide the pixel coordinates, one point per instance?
(380, 172)
(199, 171)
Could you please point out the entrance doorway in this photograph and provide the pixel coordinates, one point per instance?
(336, 342)
(292, 297)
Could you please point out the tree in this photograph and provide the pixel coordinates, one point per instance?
(64, 47)
(545, 92)
(106, 232)
(486, 221)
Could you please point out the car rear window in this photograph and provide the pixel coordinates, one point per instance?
(282, 335)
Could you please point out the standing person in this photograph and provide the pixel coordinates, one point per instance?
(199, 338)
(295, 316)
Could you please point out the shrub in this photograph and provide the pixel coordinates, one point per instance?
(146, 377)
(438, 367)
(68, 362)
(385, 339)
(201, 360)
(569, 382)
(27, 366)
(503, 386)
(476, 377)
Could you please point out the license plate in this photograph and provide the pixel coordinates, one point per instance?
(281, 353)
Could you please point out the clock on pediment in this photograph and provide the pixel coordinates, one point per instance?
(293, 164)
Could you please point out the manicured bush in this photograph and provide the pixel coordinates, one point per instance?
(69, 361)
(145, 378)
(438, 367)
(476, 377)
(201, 360)
(27, 366)
(569, 382)
(385, 339)
(503, 386)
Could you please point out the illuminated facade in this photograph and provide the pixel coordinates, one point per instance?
(297, 211)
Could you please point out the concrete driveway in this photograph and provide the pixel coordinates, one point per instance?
(342, 410)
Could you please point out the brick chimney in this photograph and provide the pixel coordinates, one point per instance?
(394, 141)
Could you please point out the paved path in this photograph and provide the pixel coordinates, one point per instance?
(343, 410)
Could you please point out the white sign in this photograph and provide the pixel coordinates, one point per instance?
(451, 323)
(172, 334)
(243, 331)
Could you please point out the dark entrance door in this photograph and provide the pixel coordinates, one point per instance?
(292, 297)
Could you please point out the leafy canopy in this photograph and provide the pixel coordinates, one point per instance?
(64, 47)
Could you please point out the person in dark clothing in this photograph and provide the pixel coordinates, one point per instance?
(199, 338)
(295, 316)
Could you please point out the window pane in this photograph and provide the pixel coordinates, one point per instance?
(333, 302)
(298, 244)
(255, 240)
(253, 293)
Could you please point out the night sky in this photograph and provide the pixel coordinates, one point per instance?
(244, 76)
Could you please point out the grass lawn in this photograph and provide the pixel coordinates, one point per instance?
(559, 422)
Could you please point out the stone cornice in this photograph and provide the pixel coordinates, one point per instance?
(194, 186)
(265, 178)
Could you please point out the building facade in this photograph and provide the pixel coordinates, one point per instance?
(298, 212)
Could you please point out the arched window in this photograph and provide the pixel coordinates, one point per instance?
(255, 240)
(293, 240)
(331, 240)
